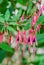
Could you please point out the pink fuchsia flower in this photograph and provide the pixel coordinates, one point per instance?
(34, 37)
(24, 37)
(38, 27)
(1, 37)
(19, 37)
(30, 37)
(9, 40)
(35, 18)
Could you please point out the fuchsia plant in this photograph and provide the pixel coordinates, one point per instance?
(22, 37)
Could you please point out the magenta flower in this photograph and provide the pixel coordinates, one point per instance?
(24, 37)
(30, 37)
(22, 18)
(34, 38)
(41, 10)
(35, 18)
(1, 37)
(19, 37)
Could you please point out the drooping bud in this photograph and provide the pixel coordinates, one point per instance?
(1, 37)
(24, 37)
(35, 18)
(38, 27)
(9, 40)
(22, 18)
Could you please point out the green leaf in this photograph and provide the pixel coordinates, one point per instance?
(19, 14)
(40, 20)
(6, 47)
(17, 17)
(23, 2)
(1, 1)
(3, 54)
(2, 20)
(29, 6)
(10, 29)
(40, 38)
(7, 15)
(27, 26)
(12, 23)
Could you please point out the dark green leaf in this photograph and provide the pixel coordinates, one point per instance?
(3, 54)
(27, 26)
(6, 47)
(40, 20)
(40, 38)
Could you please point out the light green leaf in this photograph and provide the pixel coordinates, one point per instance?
(2, 20)
(7, 15)
(10, 29)
(29, 6)
(17, 17)
(1, 1)
(12, 23)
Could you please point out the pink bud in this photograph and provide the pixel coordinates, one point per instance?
(38, 27)
(30, 31)
(24, 37)
(9, 40)
(1, 37)
(35, 18)
(22, 18)
(41, 9)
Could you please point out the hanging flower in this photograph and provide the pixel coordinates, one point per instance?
(35, 18)
(30, 37)
(1, 37)
(34, 38)
(24, 37)
(19, 37)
